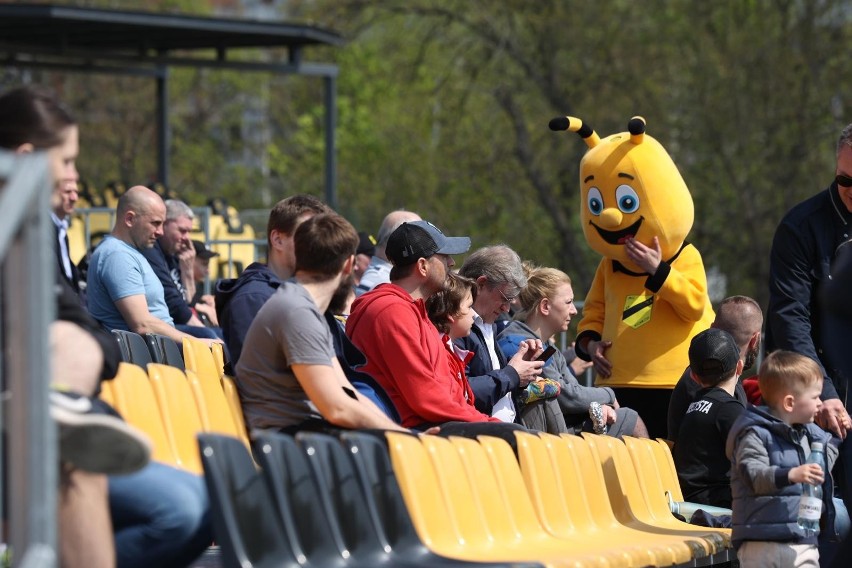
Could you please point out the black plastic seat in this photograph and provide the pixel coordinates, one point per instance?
(245, 523)
(367, 507)
(165, 350)
(133, 348)
(300, 504)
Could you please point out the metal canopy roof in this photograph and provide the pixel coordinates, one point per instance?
(92, 40)
(112, 33)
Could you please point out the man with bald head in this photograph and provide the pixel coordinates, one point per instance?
(378, 271)
(740, 316)
(123, 291)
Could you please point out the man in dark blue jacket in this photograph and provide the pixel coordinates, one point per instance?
(171, 259)
(802, 262)
(239, 299)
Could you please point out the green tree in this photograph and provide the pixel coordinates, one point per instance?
(745, 95)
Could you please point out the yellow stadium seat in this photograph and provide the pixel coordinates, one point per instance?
(495, 469)
(651, 471)
(219, 358)
(447, 517)
(89, 195)
(133, 397)
(623, 482)
(233, 397)
(213, 408)
(420, 490)
(198, 357)
(591, 507)
(651, 460)
(180, 414)
(544, 485)
(237, 249)
(113, 191)
(668, 471)
(76, 239)
(106, 393)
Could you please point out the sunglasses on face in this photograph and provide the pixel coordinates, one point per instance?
(843, 181)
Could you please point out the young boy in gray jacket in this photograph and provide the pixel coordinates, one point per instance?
(768, 447)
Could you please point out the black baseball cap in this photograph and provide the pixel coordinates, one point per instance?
(713, 354)
(202, 251)
(366, 244)
(421, 239)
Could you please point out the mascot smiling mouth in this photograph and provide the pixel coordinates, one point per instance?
(618, 237)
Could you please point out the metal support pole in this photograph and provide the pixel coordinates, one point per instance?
(163, 134)
(30, 305)
(330, 84)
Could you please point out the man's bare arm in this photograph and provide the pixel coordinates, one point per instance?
(324, 386)
(134, 310)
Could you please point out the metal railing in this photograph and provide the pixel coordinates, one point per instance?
(27, 306)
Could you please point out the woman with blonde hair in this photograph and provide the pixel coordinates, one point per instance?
(546, 309)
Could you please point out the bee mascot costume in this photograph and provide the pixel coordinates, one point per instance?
(649, 295)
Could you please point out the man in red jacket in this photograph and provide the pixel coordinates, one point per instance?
(403, 348)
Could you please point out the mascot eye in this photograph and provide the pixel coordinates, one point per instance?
(626, 198)
(595, 201)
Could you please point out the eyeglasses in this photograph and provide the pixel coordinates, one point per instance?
(843, 181)
(508, 301)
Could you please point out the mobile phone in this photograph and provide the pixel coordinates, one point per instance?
(547, 353)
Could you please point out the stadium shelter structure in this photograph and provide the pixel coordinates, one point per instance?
(88, 40)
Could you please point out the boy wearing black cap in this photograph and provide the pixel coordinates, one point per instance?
(363, 255)
(699, 451)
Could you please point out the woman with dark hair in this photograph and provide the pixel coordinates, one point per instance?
(159, 515)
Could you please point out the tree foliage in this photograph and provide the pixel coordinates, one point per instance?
(443, 108)
(748, 97)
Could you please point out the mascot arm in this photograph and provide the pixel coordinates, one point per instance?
(683, 284)
(594, 310)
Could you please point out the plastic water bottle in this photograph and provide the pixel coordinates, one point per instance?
(810, 505)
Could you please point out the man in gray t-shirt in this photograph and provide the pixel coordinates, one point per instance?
(288, 375)
(287, 330)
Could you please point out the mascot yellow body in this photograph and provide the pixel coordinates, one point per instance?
(630, 187)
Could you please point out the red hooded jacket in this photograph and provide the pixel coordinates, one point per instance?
(405, 356)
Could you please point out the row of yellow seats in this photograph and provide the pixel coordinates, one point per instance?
(571, 501)
(236, 251)
(172, 406)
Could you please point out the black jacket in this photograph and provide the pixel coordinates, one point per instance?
(74, 282)
(803, 251)
(488, 386)
(237, 302)
(167, 270)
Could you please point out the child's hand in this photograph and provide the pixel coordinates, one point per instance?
(807, 473)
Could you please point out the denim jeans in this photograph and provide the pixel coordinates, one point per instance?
(160, 516)
(828, 550)
(200, 331)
